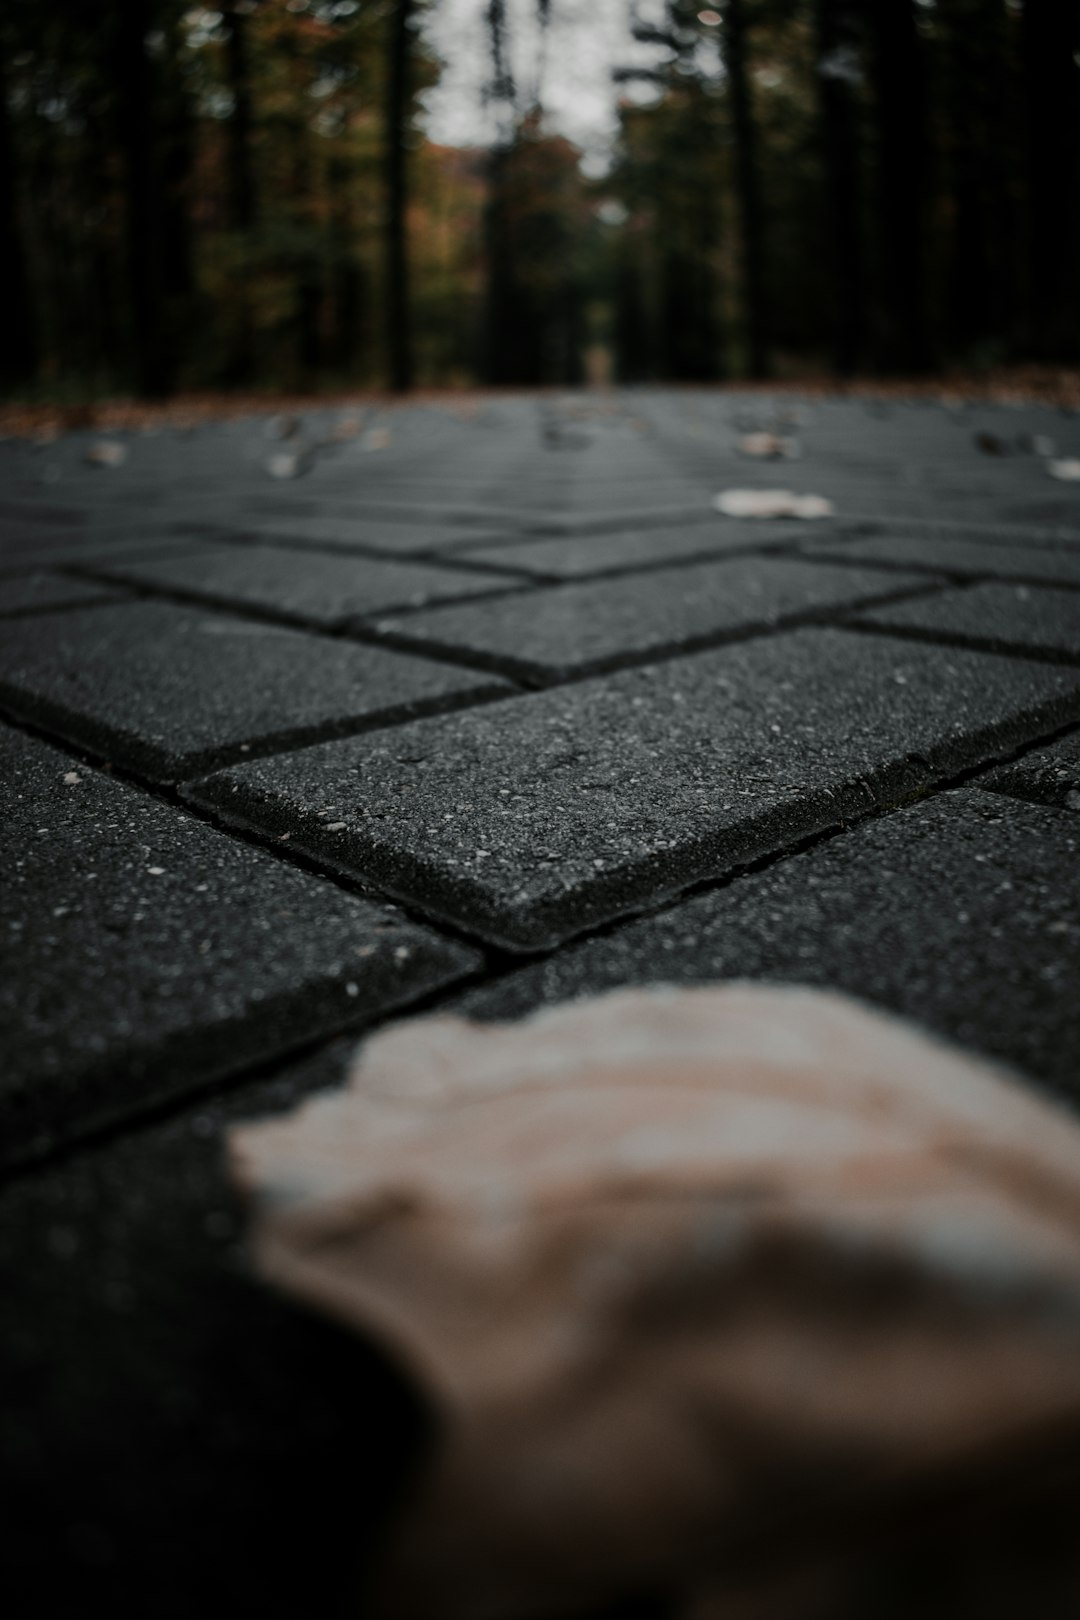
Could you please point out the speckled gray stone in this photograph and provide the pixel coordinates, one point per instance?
(530, 820)
(962, 912)
(1019, 618)
(146, 953)
(36, 593)
(1043, 775)
(580, 628)
(975, 559)
(307, 587)
(362, 533)
(578, 556)
(171, 691)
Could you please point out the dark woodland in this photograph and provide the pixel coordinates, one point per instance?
(244, 197)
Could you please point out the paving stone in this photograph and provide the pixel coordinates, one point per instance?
(962, 911)
(578, 628)
(1017, 618)
(362, 533)
(170, 690)
(175, 1434)
(307, 587)
(1044, 775)
(960, 558)
(35, 593)
(531, 820)
(578, 556)
(145, 952)
(62, 550)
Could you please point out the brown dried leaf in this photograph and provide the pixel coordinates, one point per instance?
(679, 1267)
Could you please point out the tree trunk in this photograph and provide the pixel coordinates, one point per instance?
(837, 75)
(1051, 35)
(398, 322)
(748, 190)
(153, 361)
(18, 351)
(900, 117)
(240, 367)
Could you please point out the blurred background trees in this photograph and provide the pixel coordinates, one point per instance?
(246, 196)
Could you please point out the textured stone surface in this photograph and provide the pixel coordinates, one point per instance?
(146, 953)
(169, 1423)
(579, 628)
(529, 820)
(961, 912)
(1018, 618)
(364, 533)
(1044, 775)
(304, 586)
(577, 556)
(35, 593)
(961, 558)
(167, 690)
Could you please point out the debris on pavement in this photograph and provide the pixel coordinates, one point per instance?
(1068, 469)
(679, 1269)
(772, 503)
(106, 453)
(768, 446)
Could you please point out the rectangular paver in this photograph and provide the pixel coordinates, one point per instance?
(975, 559)
(1015, 618)
(1043, 775)
(306, 587)
(531, 820)
(144, 952)
(168, 690)
(36, 593)
(361, 533)
(962, 911)
(578, 556)
(578, 628)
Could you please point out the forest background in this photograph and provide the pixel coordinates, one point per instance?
(254, 196)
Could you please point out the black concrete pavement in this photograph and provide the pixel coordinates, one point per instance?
(276, 768)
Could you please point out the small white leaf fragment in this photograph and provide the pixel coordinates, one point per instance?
(772, 503)
(768, 446)
(71, 777)
(676, 1268)
(289, 463)
(106, 453)
(1068, 469)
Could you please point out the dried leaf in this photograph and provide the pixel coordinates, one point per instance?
(106, 453)
(290, 463)
(768, 446)
(680, 1267)
(772, 503)
(1069, 469)
(991, 445)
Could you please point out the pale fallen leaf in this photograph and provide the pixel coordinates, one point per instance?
(768, 446)
(1069, 469)
(289, 463)
(772, 503)
(681, 1271)
(106, 453)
